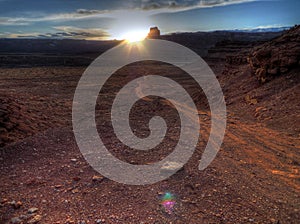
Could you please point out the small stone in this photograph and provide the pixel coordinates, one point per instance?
(253, 101)
(27, 216)
(69, 221)
(97, 178)
(15, 220)
(171, 166)
(259, 109)
(284, 70)
(74, 160)
(32, 210)
(99, 221)
(16, 205)
(35, 219)
(76, 178)
(3, 201)
(75, 191)
(260, 72)
(273, 71)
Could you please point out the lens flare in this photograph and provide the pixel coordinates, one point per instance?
(168, 202)
(135, 36)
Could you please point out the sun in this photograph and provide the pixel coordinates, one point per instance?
(135, 36)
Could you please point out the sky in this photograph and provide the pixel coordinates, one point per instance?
(112, 19)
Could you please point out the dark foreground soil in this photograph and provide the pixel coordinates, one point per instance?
(254, 178)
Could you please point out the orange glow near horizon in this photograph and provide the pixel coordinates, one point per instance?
(135, 36)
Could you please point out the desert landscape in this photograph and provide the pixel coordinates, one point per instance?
(254, 179)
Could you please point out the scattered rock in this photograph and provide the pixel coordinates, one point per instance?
(3, 201)
(273, 71)
(35, 219)
(16, 205)
(250, 100)
(76, 178)
(74, 160)
(260, 109)
(97, 178)
(75, 191)
(27, 216)
(69, 221)
(15, 220)
(171, 166)
(32, 210)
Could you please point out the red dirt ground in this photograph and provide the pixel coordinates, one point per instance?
(254, 179)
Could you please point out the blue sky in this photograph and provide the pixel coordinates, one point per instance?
(110, 19)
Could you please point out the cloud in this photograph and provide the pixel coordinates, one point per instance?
(152, 6)
(17, 35)
(90, 12)
(214, 3)
(80, 33)
(64, 32)
(7, 21)
(182, 5)
(266, 27)
(77, 15)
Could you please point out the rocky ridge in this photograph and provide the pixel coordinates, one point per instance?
(277, 56)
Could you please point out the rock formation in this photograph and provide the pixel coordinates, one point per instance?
(277, 56)
(154, 33)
